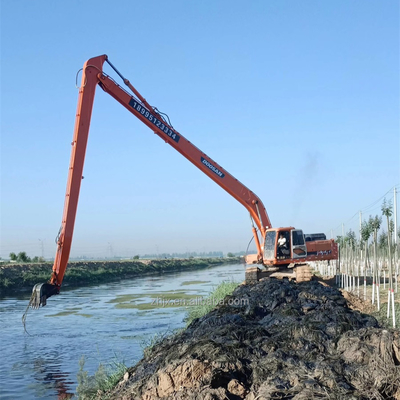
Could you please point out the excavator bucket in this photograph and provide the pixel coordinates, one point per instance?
(41, 292)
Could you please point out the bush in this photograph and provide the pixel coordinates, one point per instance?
(105, 378)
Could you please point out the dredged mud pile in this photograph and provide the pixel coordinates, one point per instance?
(278, 340)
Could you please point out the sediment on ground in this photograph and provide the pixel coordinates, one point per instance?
(272, 340)
(22, 277)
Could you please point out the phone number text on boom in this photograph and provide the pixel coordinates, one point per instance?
(155, 121)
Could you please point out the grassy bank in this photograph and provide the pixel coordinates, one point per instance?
(22, 277)
(219, 293)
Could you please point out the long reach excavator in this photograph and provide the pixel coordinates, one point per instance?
(283, 252)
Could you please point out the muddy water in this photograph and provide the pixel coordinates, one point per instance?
(108, 322)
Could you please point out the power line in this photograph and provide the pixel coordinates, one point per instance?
(375, 202)
(368, 207)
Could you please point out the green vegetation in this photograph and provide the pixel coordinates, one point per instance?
(218, 294)
(105, 378)
(22, 257)
(187, 283)
(381, 239)
(382, 318)
(94, 387)
(149, 344)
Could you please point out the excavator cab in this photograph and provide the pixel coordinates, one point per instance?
(277, 244)
(284, 244)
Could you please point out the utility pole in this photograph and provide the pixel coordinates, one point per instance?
(42, 247)
(360, 224)
(110, 250)
(344, 277)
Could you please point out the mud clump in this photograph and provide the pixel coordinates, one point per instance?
(272, 340)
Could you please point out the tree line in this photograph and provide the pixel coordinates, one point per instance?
(370, 229)
(23, 258)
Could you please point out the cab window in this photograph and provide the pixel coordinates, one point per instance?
(269, 245)
(298, 238)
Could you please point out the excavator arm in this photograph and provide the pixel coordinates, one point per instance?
(92, 76)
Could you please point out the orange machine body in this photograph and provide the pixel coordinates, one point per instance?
(296, 250)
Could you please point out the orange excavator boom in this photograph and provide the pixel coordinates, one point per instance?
(92, 76)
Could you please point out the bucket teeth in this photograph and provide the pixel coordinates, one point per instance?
(41, 292)
(36, 300)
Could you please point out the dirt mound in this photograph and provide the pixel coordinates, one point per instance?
(355, 303)
(278, 340)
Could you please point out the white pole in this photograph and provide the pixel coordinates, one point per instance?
(394, 315)
(395, 214)
(365, 279)
(365, 269)
(378, 278)
(344, 257)
(384, 279)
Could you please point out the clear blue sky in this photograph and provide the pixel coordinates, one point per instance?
(299, 100)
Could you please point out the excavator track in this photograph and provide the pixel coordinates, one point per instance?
(300, 273)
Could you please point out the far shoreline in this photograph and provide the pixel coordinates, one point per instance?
(20, 278)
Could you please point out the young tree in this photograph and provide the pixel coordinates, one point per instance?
(366, 230)
(340, 240)
(351, 239)
(392, 234)
(387, 211)
(37, 259)
(13, 257)
(22, 257)
(383, 240)
(375, 224)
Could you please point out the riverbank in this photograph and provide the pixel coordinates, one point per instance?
(22, 277)
(271, 340)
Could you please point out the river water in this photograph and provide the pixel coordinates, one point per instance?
(103, 323)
